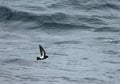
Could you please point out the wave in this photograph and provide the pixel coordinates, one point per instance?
(104, 6)
(85, 5)
(68, 42)
(47, 20)
(8, 14)
(107, 29)
(17, 61)
(61, 20)
(4, 12)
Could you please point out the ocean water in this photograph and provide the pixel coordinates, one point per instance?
(81, 38)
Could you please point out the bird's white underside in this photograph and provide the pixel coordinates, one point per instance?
(42, 56)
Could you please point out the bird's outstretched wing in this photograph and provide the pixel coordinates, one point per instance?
(42, 51)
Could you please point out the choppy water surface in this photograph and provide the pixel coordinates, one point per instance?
(81, 37)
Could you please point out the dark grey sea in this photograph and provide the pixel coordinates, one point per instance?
(81, 38)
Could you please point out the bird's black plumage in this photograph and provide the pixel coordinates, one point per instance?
(42, 53)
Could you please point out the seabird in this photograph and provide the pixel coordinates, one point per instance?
(42, 53)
